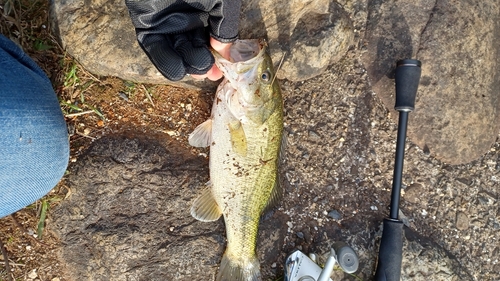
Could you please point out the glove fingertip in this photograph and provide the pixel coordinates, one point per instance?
(223, 39)
(172, 69)
(173, 76)
(166, 61)
(196, 60)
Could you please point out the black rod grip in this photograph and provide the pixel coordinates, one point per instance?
(407, 80)
(390, 254)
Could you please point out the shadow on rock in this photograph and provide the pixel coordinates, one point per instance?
(127, 216)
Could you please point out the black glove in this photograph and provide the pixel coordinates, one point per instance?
(174, 33)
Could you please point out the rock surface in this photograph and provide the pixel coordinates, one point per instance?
(339, 157)
(310, 35)
(338, 166)
(128, 215)
(127, 220)
(458, 102)
(100, 35)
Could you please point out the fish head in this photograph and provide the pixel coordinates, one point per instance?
(250, 73)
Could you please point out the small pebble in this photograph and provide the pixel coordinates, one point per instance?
(123, 96)
(300, 235)
(462, 221)
(496, 225)
(334, 214)
(32, 274)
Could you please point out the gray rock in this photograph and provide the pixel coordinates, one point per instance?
(128, 216)
(311, 34)
(354, 155)
(457, 112)
(458, 108)
(412, 193)
(334, 214)
(348, 167)
(462, 221)
(422, 259)
(425, 260)
(99, 34)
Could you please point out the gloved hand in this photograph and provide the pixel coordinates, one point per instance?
(175, 33)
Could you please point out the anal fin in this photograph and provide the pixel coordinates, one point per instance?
(205, 208)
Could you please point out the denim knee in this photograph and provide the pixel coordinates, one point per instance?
(34, 144)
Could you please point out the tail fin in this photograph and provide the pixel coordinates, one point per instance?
(239, 270)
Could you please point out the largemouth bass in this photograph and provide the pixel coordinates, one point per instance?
(244, 133)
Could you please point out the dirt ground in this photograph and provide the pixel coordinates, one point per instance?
(337, 130)
(93, 106)
(331, 167)
(124, 107)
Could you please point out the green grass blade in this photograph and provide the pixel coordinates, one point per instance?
(41, 221)
(96, 111)
(72, 106)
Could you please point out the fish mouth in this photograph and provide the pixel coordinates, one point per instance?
(246, 50)
(241, 70)
(243, 55)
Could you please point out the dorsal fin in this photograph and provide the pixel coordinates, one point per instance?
(275, 198)
(277, 192)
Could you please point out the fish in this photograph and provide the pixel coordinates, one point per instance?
(244, 133)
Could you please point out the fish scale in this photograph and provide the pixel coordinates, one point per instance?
(244, 134)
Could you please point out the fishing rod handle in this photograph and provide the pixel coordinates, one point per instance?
(407, 79)
(390, 253)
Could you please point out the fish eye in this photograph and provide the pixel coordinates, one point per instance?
(265, 76)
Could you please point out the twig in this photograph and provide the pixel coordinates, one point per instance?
(88, 73)
(149, 96)
(279, 67)
(79, 113)
(14, 264)
(24, 231)
(18, 224)
(6, 261)
(84, 135)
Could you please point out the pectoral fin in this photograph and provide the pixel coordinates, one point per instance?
(205, 208)
(202, 135)
(238, 138)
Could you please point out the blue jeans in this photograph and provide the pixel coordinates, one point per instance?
(34, 144)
